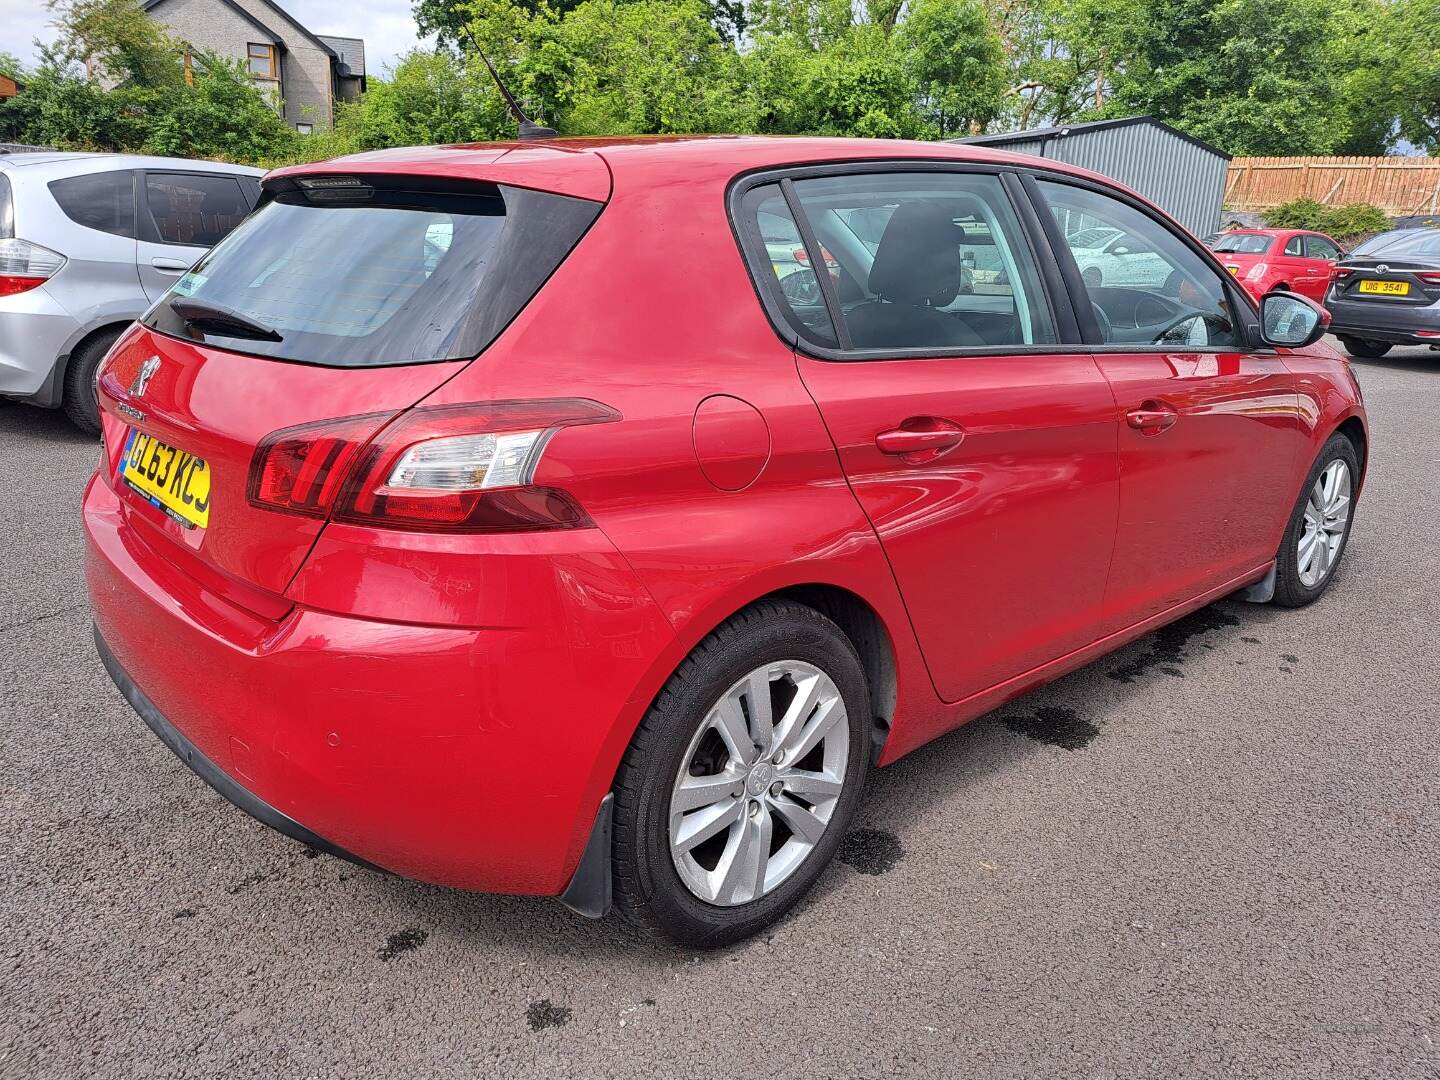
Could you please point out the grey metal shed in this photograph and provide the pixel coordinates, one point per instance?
(1182, 175)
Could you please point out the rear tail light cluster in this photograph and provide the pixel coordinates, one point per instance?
(448, 468)
(1430, 277)
(1338, 273)
(24, 265)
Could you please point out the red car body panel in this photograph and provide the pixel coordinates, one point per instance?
(1273, 269)
(454, 707)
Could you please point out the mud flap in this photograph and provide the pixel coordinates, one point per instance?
(1262, 592)
(589, 892)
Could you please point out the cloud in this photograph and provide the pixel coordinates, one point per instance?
(388, 26)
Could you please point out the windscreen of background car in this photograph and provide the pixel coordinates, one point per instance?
(1243, 244)
(380, 276)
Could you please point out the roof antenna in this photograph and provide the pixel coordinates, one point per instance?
(528, 128)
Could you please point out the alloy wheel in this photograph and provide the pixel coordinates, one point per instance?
(759, 783)
(1327, 514)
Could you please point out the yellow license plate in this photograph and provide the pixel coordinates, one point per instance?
(1386, 288)
(176, 482)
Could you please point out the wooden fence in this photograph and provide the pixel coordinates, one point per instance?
(1397, 185)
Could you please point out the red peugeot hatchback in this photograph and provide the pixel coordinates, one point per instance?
(511, 518)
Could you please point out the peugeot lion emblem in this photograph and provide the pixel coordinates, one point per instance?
(142, 377)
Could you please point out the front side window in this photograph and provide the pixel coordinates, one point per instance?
(103, 201)
(1317, 247)
(1148, 287)
(198, 211)
(929, 260)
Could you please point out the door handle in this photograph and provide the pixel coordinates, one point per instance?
(170, 266)
(920, 439)
(1152, 417)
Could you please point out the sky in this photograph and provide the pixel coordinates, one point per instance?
(386, 25)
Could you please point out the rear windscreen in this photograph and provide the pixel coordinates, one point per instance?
(372, 276)
(1243, 244)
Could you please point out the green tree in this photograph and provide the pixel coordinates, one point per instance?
(116, 40)
(957, 63)
(220, 116)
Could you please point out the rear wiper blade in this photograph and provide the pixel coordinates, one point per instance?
(225, 320)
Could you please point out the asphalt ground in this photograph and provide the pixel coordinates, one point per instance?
(1213, 854)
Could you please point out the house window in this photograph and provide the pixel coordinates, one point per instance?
(262, 60)
(304, 129)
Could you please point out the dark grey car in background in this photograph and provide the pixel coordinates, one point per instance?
(1387, 292)
(87, 243)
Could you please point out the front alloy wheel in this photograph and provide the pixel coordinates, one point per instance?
(758, 784)
(1327, 514)
(1319, 525)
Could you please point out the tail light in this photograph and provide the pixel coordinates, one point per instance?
(24, 265)
(1430, 277)
(1338, 273)
(448, 468)
(1258, 271)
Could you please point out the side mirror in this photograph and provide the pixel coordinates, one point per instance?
(1291, 321)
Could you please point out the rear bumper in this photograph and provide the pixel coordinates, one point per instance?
(1379, 321)
(34, 331)
(206, 769)
(470, 757)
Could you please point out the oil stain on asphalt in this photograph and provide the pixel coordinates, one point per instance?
(1054, 725)
(870, 851)
(1167, 645)
(412, 937)
(545, 1013)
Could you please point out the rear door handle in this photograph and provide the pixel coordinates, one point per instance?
(920, 439)
(170, 266)
(1152, 417)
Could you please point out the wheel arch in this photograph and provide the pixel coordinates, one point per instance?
(53, 393)
(1353, 428)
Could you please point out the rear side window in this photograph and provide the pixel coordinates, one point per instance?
(102, 201)
(198, 211)
(370, 277)
(1295, 246)
(921, 259)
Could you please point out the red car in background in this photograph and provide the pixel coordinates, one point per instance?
(445, 523)
(1266, 259)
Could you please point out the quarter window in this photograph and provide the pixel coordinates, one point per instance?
(194, 210)
(1295, 246)
(103, 201)
(1148, 287)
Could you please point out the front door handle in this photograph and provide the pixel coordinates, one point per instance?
(1152, 417)
(920, 439)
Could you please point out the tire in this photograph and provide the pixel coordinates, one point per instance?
(1362, 349)
(79, 394)
(649, 887)
(1292, 589)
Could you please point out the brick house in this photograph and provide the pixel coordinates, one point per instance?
(302, 72)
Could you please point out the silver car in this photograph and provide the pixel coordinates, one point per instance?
(87, 243)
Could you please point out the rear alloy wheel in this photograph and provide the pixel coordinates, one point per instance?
(758, 784)
(1362, 349)
(742, 778)
(1319, 527)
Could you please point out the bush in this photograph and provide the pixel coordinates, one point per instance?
(1341, 222)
